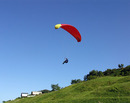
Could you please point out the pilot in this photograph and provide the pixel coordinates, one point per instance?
(66, 61)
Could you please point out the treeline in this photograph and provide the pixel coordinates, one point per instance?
(120, 71)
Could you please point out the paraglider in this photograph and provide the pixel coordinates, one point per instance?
(66, 61)
(71, 29)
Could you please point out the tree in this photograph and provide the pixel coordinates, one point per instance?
(93, 72)
(100, 74)
(126, 71)
(92, 75)
(79, 80)
(107, 72)
(120, 66)
(55, 87)
(89, 77)
(75, 81)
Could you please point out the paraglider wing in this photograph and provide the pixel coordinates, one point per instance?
(71, 29)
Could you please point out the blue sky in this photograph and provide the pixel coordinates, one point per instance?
(32, 51)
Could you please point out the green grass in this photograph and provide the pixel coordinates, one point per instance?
(100, 90)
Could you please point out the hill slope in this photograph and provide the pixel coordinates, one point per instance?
(100, 90)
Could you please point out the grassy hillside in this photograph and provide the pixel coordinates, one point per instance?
(100, 90)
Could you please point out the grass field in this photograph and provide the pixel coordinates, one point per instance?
(100, 90)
